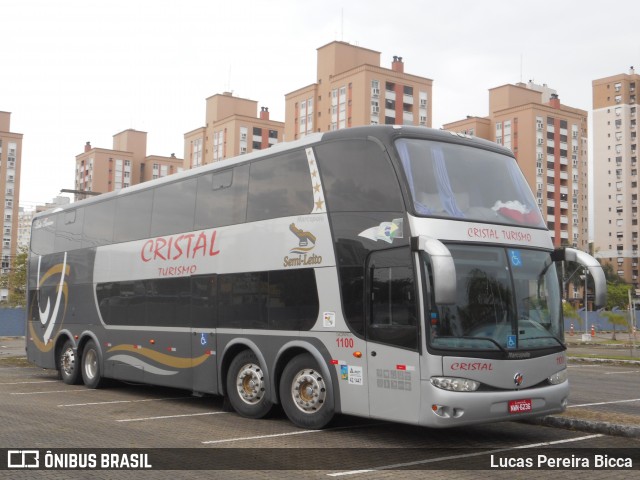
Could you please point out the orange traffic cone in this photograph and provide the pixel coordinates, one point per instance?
(593, 331)
(571, 332)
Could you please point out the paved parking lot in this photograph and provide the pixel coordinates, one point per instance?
(40, 412)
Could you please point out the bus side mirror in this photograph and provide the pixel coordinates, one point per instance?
(443, 269)
(595, 269)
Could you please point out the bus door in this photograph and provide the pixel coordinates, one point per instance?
(392, 334)
(203, 334)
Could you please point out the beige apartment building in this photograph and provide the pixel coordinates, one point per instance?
(101, 170)
(615, 155)
(352, 89)
(550, 142)
(10, 161)
(232, 127)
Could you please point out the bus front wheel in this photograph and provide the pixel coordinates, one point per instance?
(91, 375)
(68, 364)
(247, 386)
(304, 394)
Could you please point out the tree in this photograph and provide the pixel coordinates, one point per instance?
(615, 319)
(617, 296)
(16, 280)
(569, 311)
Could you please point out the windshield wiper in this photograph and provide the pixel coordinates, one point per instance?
(539, 338)
(504, 350)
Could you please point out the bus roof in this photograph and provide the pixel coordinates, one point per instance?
(385, 133)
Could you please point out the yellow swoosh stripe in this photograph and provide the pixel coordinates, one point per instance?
(162, 358)
(40, 345)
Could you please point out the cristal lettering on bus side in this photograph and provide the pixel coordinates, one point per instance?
(181, 246)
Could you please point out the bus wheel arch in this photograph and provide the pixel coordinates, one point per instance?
(67, 360)
(306, 392)
(247, 385)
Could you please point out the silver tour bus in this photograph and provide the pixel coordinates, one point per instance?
(398, 273)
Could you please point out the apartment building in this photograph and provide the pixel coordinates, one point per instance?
(615, 154)
(10, 161)
(232, 127)
(352, 89)
(101, 170)
(550, 142)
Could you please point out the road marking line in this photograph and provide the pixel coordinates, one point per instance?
(604, 403)
(299, 432)
(620, 373)
(239, 439)
(462, 456)
(121, 401)
(168, 416)
(25, 383)
(55, 391)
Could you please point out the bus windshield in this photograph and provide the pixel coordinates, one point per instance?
(507, 299)
(455, 181)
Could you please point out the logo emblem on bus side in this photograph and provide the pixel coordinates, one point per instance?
(518, 378)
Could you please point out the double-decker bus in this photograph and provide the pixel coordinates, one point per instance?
(398, 273)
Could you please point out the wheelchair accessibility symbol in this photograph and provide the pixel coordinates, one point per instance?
(203, 339)
(511, 341)
(514, 256)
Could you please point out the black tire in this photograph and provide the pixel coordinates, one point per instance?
(68, 364)
(91, 374)
(247, 386)
(305, 394)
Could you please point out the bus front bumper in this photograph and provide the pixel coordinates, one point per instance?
(443, 408)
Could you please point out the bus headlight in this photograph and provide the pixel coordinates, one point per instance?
(558, 378)
(455, 384)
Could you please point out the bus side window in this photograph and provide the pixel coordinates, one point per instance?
(357, 176)
(222, 198)
(174, 208)
(392, 301)
(280, 186)
(133, 216)
(69, 230)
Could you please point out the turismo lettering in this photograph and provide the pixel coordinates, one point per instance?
(177, 247)
(301, 260)
(498, 234)
(472, 366)
(177, 271)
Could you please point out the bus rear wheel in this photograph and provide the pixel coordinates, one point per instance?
(304, 394)
(91, 375)
(68, 364)
(247, 386)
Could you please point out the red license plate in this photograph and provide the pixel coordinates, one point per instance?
(520, 406)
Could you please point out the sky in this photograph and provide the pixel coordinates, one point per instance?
(73, 71)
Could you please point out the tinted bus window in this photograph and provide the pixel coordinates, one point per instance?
(98, 224)
(242, 300)
(280, 187)
(167, 302)
(133, 216)
(293, 299)
(204, 312)
(174, 208)
(69, 230)
(222, 198)
(357, 177)
(43, 232)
